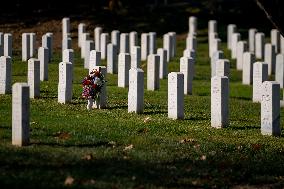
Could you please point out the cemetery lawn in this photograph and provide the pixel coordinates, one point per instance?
(110, 148)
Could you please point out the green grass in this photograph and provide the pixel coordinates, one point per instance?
(90, 146)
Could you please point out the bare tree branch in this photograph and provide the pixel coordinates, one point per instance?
(269, 16)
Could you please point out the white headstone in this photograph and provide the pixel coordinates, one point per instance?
(223, 67)
(241, 49)
(281, 44)
(135, 57)
(248, 60)
(216, 56)
(66, 42)
(232, 28)
(34, 77)
(115, 39)
(144, 46)
(153, 67)
(104, 42)
(175, 95)
(192, 23)
(174, 43)
(25, 46)
(102, 101)
(47, 43)
(163, 63)
(112, 58)
(259, 45)
(85, 37)
(152, 42)
(124, 43)
(236, 37)
(88, 47)
(270, 108)
(65, 26)
(133, 39)
(167, 43)
(191, 42)
(252, 33)
(212, 26)
(215, 46)
(260, 74)
(65, 82)
(270, 57)
(275, 40)
(81, 30)
(123, 69)
(279, 71)
(219, 101)
(189, 53)
(68, 56)
(8, 44)
(32, 44)
(20, 114)
(43, 58)
(98, 31)
(1, 43)
(187, 68)
(212, 37)
(136, 90)
(50, 44)
(95, 60)
(5, 75)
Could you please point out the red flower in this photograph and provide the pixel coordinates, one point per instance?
(94, 85)
(86, 82)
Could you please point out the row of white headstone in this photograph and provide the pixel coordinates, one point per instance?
(256, 73)
(177, 82)
(23, 91)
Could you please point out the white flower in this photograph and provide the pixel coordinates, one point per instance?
(98, 81)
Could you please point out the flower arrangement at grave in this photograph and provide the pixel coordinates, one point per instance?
(92, 85)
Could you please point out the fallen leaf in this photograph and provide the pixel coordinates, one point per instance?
(88, 157)
(129, 147)
(197, 146)
(194, 182)
(125, 157)
(256, 147)
(112, 144)
(187, 140)
(69, 181)
(239, 147)
(147, 119)
(62, 135)
(203, 157)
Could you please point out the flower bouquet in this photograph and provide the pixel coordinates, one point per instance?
(92, 86)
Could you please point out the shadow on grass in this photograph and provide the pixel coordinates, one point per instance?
(48, 97)
(89, 145)
(247, 127)
(242, 98)
(153, 112)
(125, 172)
(196, 118)
(112, 107)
